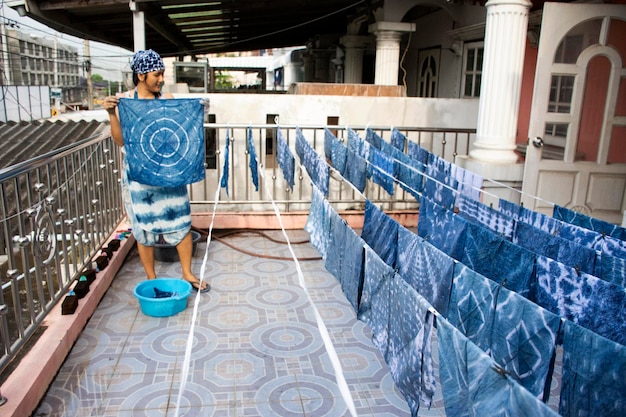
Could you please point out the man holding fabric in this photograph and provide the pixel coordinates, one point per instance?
(156, 213)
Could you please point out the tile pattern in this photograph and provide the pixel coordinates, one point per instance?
(256, 351)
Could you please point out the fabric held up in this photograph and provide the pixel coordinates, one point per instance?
(592, 379)
(383, 170)
(163, 140)
(398, 140)
(425, 268)
(439, 193)
(418, 153)
(224, 179)
(316, 167)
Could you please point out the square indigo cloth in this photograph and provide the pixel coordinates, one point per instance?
(163, 140)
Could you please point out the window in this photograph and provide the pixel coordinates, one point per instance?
(472, 68)
(210, 143)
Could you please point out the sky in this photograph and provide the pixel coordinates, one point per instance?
(108, 61)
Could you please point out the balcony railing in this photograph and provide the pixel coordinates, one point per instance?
(57, 210)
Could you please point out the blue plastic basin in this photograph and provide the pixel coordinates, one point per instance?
(163, 307)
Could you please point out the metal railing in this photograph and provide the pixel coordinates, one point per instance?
(57, 210)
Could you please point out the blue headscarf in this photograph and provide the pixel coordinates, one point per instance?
(146, 61)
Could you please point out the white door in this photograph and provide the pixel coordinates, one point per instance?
(576, 155)
(428, 72)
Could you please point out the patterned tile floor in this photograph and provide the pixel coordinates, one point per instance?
(257, 350)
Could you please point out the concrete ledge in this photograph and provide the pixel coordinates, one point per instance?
(28, 383)
(291, 220)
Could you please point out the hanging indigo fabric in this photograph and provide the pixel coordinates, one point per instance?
(554, 247)
(383, 170)
(380, 232)
(398, 140)
(411, 180)
(373, 138)
(418, 153)
(361, 148)
(375, 304)
(328, 142)
(163, 140)
(425, 268)
(472, 305)
(254, 171)
(286, 160)
(336, 241)
(523, 339)
(316, 167)
(442, 177)
(611, 269)
(480, 213)
(439, 193)
(318, 222)
(410, 345)
(224, 179)
(470, 183)
(586, 300)
(588, 222)
(442, 228)
(356, 168)
(538, 220)
(498, 259)
(474, 385)
(592, 379)
(339, 156)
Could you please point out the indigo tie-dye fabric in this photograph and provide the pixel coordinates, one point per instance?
(499, 259)
(441, 194)
(469, 182)
(398, 140)
(318, 222)
(224, 179)
(425, 268)
(156, 213)
(538, 220)
(355, 171)
(328, 143)
(418, 153)
(380, 232)
(253, 164)
(163, 140)
(373, 138)
(611, 269)
(442, 177)
(442, 228)
(586, 300)
(361, 148)
(345, 258)
(593, 375)
(410, 345)
(286, 160)
(554, 247)
(474, 385)
(375, 304)
(383, 170)
(519, 335)
(591, 223)
(317, 168)
(523, 339)
(411, 180)
(472, 305)
(480, 213)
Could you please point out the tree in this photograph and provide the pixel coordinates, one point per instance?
(96, 77)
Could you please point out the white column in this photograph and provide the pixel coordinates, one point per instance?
(388, 36)
(139, 27)
(505, 42)
(353, 61)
